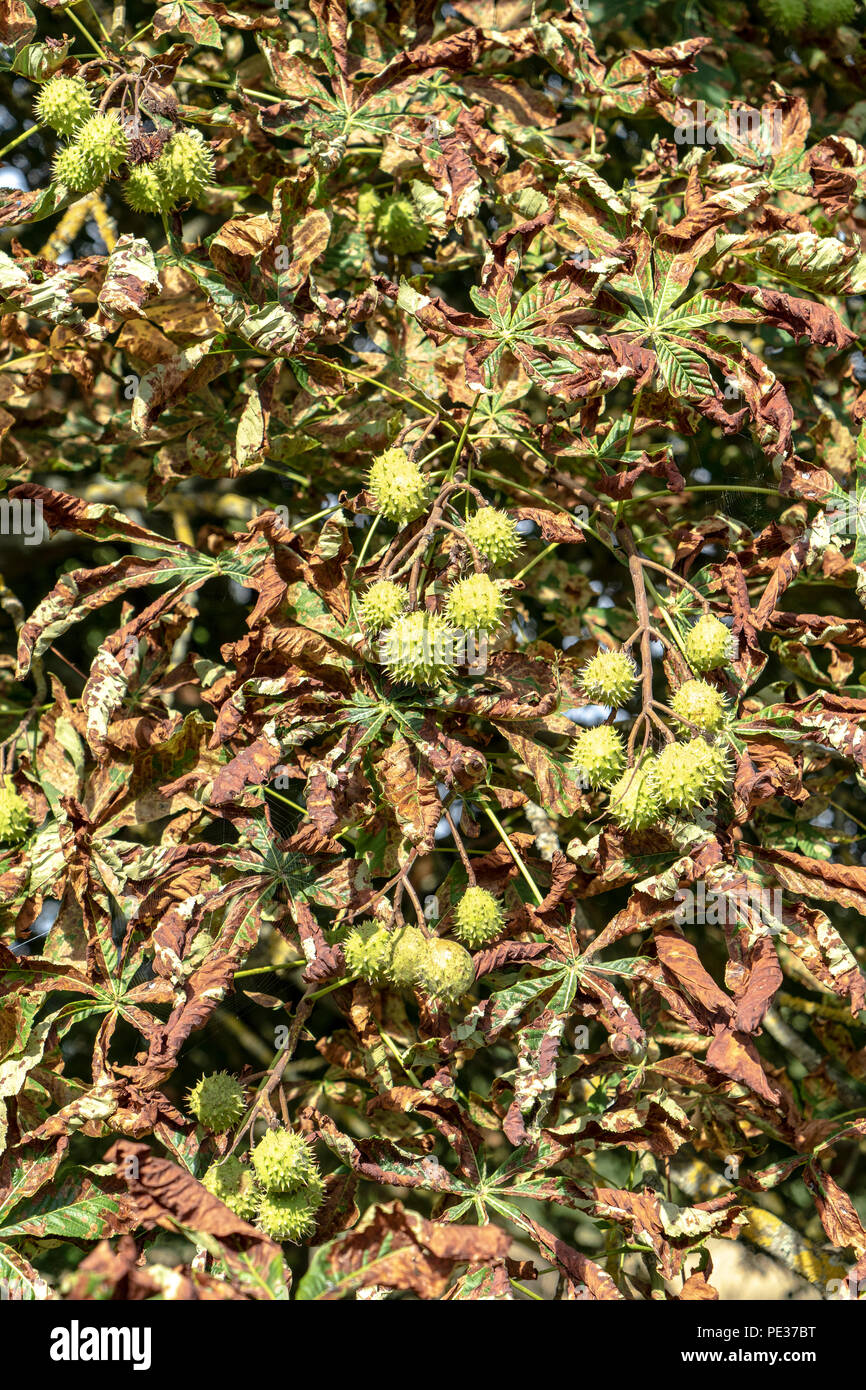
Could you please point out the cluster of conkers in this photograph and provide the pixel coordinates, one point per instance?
(99, 146)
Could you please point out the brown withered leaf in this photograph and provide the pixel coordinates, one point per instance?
(409, 791)
(394, 1248)
(836, 1210)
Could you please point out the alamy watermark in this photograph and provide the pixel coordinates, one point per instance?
(708, 125)
(727, 907)
(77, 1343)
(21, 517)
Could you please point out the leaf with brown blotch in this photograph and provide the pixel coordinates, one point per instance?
(836, 1210)
(584, 1278)
(508, 953)
(409, 791)
(165, 1195)
(394, 1248)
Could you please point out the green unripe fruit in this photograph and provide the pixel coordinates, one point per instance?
(284, 1161)
(289, 1215)
(683, 774)
(479, 918)
(143, 190)
(829, 14)
(368, 949)
(788, 16)
(399, 486)
(609, 678)
(72, 169)
(15, 818)
(217, 1101)
(104, 144)
(599, 754)
(719, 768)
(367, 205)
(446, 971)
(494, 535)
(699, 703)
(63, 103)
(708, 644)
(186, 165)
(408, 951)
(475, 604)
(233, 1183)
(420, 648)
(635, 800)
(382, 603)
(400, 225)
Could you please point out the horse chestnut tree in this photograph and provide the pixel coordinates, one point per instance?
(432, 709)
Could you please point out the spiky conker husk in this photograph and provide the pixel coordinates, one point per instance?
(400, 225)
(599, 754)
(699, 703)
(494, 535)
(420, 648)
(446, 971)
(72, 169)
(185, 166)
(15, 818)
(217, 1101)
(609, 678)
(233, 1183)
(399, 486)
(708, 644)
(381, 604)
(103, 143)
(284, 1162)
(788, 16)
(720, 769)
(368, 949)
(63, 103)
(143, 190)
(367, 205)
(829, 14)
(290, 1215)
(408, 951)
(479, 918)
(683, 774)
(635, 800)
(476, 604)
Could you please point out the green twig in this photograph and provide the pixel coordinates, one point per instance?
(503, 835)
